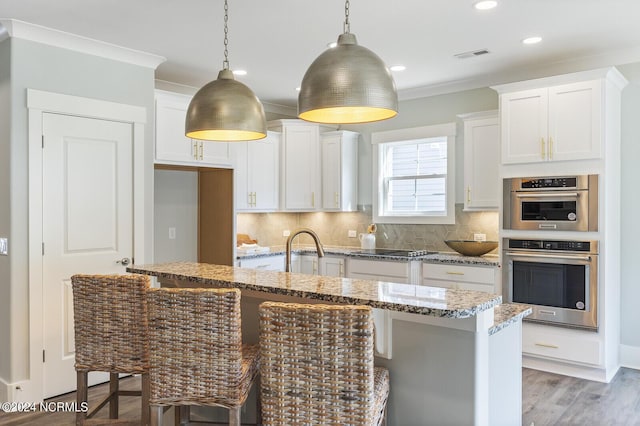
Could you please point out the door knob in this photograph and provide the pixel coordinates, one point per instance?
(124, 261)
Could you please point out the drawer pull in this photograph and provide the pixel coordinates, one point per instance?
(547, 345)
(454, 273)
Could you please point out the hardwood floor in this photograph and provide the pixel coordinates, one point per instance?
(548, 399)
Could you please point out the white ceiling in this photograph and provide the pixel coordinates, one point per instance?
(276, 40)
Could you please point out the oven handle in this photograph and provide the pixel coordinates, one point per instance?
(547, 195)
(548, 256)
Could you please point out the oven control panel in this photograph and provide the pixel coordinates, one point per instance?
(550, 182)
(554, 245)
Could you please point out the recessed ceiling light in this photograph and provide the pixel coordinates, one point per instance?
(532, 40)
(397, 68)
(485, 4)
(239, 72)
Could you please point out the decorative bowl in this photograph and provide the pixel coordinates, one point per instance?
(472, 248)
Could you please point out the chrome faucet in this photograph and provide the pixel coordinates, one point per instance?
(316, 239)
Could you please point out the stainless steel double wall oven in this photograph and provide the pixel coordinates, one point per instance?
(558, 277)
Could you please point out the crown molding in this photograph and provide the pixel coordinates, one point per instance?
(52, 37)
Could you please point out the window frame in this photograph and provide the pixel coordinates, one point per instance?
(380, 139)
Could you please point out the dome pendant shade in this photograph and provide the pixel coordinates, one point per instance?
(347, 84)
(225, 110)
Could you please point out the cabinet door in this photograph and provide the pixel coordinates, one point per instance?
(524, 126)
(242, 196)
(215, 153)
(481, 163)
(332, 266)
(575, 117)
(301, 158)
(308, 264)
(171, 144)
(339, 170)
(262, 172)
(331, 167)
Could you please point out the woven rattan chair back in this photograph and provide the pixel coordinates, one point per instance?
(317, 365)
(197, 356)
(110, 326)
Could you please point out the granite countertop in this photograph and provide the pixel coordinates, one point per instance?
(508, 313)
(423, 300)
(354, 252)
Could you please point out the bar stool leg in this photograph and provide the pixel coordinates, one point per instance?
(156, 415)
(81, 395)
(234, 416)
(113, 395)
(146, 394)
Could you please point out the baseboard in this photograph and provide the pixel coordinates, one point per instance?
(566, 369)
(630, 356)
(17, 392)
(4, 391)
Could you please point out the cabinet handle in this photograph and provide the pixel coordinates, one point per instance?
(336, 199)
(249, 196)
(313, 199)
(194, 149)
(341, 269)
(315, 266)
(542, 152)
(454, 273)
(468, 194)
(550, 148)
(201, 149)
(547, 345)
(255, 199)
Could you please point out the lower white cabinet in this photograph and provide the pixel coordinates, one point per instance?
(265, 263)
(332, 266)
(462, 277)
(577, 346)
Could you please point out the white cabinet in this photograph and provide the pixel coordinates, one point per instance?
(257, 174)
(577, 346)
(462, 277)
(264, 263)
(481, 161)
(339, 170)
(332, 266)
(300, 165)
(172, 146)
(555, 123)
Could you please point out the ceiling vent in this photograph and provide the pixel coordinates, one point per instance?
(471, 54)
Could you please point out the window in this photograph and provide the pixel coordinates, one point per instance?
(415, 175)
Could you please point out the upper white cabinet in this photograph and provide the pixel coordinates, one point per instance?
(557, 118)
(300, 165)
(339, 170)
(172, 146)
(481, 160)
(257, 173)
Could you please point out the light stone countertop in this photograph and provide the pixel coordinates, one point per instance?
(423, 300)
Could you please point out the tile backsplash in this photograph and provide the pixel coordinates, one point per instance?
(332, 228)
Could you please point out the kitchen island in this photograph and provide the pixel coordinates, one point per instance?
(455, 355)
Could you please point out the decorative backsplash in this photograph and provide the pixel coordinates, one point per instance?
(332, 228)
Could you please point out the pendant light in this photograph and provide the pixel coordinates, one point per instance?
(225, 109)
(347, 84)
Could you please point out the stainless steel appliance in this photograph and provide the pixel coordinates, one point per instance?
(558, 278)
(563, 203)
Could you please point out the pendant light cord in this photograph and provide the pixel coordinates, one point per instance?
(347, 27)
(225, 63)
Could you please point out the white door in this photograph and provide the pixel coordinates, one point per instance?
(87, 225)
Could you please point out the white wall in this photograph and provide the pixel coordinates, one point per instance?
(5, 194)
(630, 208)
(47, 68)
(175, 206)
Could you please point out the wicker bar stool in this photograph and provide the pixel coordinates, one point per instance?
(197, 355)
(316, 366)
(110, 323)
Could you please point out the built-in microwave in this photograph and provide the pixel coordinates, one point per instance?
(562, 203)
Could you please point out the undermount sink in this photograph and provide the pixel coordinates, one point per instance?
(472, 248)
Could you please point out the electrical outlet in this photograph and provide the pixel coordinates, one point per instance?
(286, 233)
(4, 246)
(352, 233)
(172, 233)
(479, 237)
